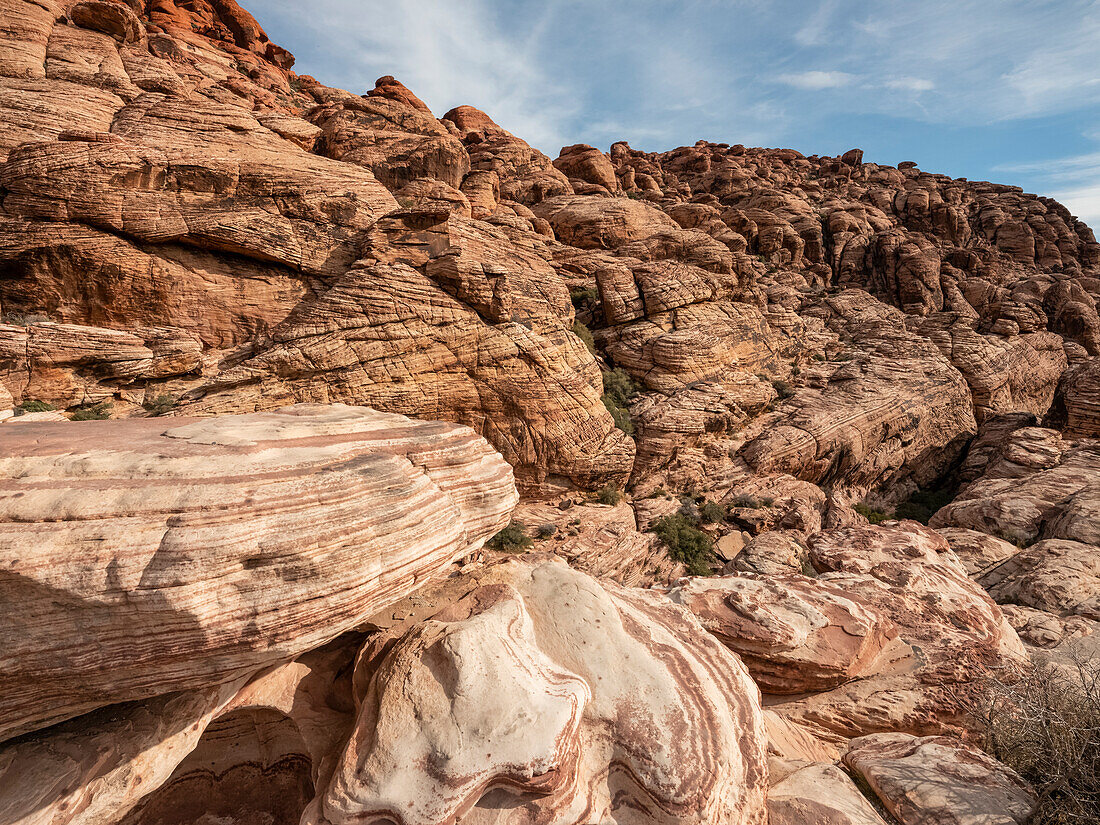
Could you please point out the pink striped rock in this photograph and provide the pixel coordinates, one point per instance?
(543, 696)
(154, 555)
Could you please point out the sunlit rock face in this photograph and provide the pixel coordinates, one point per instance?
(164, 554)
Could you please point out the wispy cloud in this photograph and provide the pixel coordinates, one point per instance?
(969, 84)
(815, 79)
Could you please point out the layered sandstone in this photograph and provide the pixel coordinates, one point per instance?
(174, 554)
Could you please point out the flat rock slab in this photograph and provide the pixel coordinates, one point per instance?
(150, 555)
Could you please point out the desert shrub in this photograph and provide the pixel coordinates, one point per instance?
(160, 405)
(711, 512)
(782, 388)
(686, 543)
(747, 502)
(96, 412)
(767, 501)
(922, 504)
(620, 415)
(619, 389)
(511, 539)
(585, 334)
(33, 406)
(1044, 723)
(609, 494)
(634, 195)
(546, 530)
(870, 513)
(584, 297)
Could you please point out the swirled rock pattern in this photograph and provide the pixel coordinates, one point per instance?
(936, 779)
(605, 701)
(159, 555)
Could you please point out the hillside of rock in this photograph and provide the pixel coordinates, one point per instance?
(359, 465)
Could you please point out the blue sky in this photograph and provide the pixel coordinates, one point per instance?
(1002, 90)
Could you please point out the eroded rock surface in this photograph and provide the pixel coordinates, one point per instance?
(164, 554)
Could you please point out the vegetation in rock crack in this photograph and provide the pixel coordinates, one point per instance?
(95, 412)
(546, 530)
(585, 334)
(619, 389)
(712, 512)
(870, 513)
(160, 405)
(512, 539)
(686, 543)
(582, 298)
(33, 406)
(746, 502)
(782, 388)
(1044, 723)
(922, 504)
(609, 494)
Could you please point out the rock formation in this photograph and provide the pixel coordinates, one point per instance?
(241, 601)
(176, 553)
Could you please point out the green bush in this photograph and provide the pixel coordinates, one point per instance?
(711, 512)
(546, 530)
(511, 539)
(585, 334)
(871, 514)
(584, 297)
(609, 494)
(160, 405)
(96, 412)
(34, 406)
(747, 502)
(686, 543)
(619, 389)
(619, 415)
(922, 504)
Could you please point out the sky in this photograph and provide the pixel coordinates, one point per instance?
(1001, 90)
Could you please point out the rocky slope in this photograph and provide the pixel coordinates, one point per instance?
(219, 607)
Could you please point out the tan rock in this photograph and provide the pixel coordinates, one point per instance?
(795, 635)
(601, 223)
(819, 795)
(938, 779)
(161, 592)
(578, 689)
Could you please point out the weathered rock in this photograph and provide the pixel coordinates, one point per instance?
(1081, 396)
(164, 555)
(601, 223)
(939, 780)
(446, 318)
(795, 635)
(950, 633)
(526, 175)
(589, 165)
(604, 701)
(819, 795)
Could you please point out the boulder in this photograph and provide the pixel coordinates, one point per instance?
(160, 555)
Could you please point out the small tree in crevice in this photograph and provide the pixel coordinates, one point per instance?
(686, 543)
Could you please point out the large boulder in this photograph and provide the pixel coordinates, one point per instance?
(158, 555)
(540, 696)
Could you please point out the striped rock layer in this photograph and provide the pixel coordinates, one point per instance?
(156, 555)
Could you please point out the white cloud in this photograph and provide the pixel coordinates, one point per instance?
(447, 53)
(815, 80)
(910, 84)
(1083, 201)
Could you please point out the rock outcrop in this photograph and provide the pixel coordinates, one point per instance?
(169, 554)
(935, 779)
